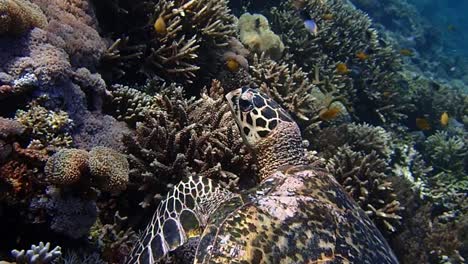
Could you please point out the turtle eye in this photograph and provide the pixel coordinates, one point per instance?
(245, 105)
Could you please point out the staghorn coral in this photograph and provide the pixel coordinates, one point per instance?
(66, 166)
(364, 177)
(255, 33)
(109, 169)
(171, 39)
(18, 16)
(178, 138)
(40, 254)
(447, 152)
(371, 84)
(289, 86)
(49, 127)
(132, 103)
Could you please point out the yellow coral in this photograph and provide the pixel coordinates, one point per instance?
(17, 16)
(255, 33)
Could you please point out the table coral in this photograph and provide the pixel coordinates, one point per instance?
(20, 15)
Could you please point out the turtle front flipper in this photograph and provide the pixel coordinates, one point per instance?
(182, 215)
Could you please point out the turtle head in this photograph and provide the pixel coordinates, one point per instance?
(267, 129)
(256, 114)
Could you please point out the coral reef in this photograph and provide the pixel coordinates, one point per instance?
(255, 33)
(359, 158)
(178, 139)
(174, 38)
(66, 166)
(109, 168)
(50, 128)
(102, 167)
(371, 84)
(20, 15)
(40, 254)
(69, 215)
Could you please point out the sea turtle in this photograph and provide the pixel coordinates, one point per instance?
(297, 214)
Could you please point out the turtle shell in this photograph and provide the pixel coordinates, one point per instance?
(301, 216)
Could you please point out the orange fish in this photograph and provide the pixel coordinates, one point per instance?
(232, 65)
(342, 68)
(422, 124)
(160, 26)
(406, 52)
(328, 114)
(328, 16)
(444, 119)
(362, 55)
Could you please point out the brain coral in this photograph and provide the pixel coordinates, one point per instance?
(66, 166)
(17, 16)
(109, 168)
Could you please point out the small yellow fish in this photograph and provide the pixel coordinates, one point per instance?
(387, 93)
(406, 52)
(451, 28)
(362, 55)
(444, 119)
(342, 68)
(232, 65)
(160, 26)
(328, 114)
(328, 16)
(422, 124)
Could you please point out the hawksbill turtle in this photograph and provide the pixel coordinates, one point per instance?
(297, 214)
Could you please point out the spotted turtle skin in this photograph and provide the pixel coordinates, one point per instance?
(298, 213)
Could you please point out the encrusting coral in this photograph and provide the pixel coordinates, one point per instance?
(109, 168)
(20, 15)
(66, 166)
(255, 33)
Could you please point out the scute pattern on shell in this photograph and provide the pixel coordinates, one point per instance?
(305, 216)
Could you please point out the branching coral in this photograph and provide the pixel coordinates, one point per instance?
(114, 240)
(40, 254)
(49, 127)
(178, 138)
(19, 16)
(289, 86)
(448, 153)
(178, 37)
(369, 81)
(359, 156)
